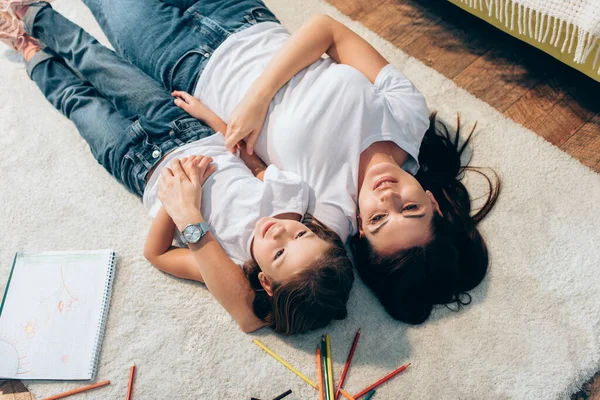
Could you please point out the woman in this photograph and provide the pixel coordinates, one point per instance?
(351, 126)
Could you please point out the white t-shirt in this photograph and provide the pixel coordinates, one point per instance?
(233, 200)
(320, 122)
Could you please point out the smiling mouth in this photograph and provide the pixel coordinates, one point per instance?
(267, 226)
(381, 181)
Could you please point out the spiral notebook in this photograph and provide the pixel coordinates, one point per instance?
(53, 314)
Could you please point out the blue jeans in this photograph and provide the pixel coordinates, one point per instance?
(172, 40)
(127, 118)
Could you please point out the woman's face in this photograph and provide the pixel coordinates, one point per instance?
(283, 247)
(394, 211)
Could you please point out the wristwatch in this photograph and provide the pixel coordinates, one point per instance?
(194, 232)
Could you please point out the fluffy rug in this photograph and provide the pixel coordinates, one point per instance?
(531, 332)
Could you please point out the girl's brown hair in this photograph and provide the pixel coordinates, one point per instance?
(313, 296)
(410, 282)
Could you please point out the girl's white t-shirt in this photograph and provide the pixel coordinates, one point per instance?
(233, 199)
(320, 122)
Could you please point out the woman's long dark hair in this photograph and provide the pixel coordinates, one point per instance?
(410, 282)
(312, 297)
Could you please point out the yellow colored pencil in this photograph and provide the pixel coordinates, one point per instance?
(285, 364)
(329, 366)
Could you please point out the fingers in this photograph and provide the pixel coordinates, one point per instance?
(251, 142)
(231, 140)
(166, 172)
(182, 99)
(175, 166)
(209, 171)
(188, 98)
(203, 166)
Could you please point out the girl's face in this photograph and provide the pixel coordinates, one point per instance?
(394, 211)
(283, 247)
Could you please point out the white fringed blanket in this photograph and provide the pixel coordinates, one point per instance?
(547, 20)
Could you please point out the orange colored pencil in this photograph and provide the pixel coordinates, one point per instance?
(346, 394)
(320, 373)
(79, 390)
(130, 386)
(348, 361)
(382, 380)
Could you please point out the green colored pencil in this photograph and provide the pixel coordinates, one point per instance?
(370, 394)
(325, 368)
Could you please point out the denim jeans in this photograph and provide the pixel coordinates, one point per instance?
(128, 119)
(172, 40)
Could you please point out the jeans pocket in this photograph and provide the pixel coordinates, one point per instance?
(260, 14)
(189, 129)
(187, 69)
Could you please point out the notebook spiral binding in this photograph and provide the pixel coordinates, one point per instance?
(102, 325)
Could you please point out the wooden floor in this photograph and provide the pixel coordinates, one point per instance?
(537, 91)
(558, 103)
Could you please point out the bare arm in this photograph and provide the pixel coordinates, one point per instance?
(158, 250)
(226, 281)
(321, 34)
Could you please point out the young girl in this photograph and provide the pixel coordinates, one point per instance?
(130, 123)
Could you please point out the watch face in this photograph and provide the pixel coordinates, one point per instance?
(192, 233)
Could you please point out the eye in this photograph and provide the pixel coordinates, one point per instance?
(301, 234)
(377, 217)
(410, 207)
(278, 254)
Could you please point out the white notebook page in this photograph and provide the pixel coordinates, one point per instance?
(52, 313)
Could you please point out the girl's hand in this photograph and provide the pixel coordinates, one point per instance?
(180, 187)
(246, 121)
(202, 163)
(192, 105)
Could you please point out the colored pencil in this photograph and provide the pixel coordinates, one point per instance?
(325, 369)
(382, 380)
(285, 364)
(345, 394)
(329, 366)
(79, 390)
(284, 394)
(320, 373)
(370, 394)
(348, 361)
(130, 386)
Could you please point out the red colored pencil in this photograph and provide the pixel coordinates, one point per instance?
(347, 366)
(382, 380)
(130, 386)
(320, 373)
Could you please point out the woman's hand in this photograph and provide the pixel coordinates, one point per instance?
(180, 187)
(246, 121)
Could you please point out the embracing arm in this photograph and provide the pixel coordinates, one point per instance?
(321, 34)
(225, 279)
(158, 250)
(180, 193)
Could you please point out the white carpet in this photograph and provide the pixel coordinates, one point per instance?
(531, 333)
